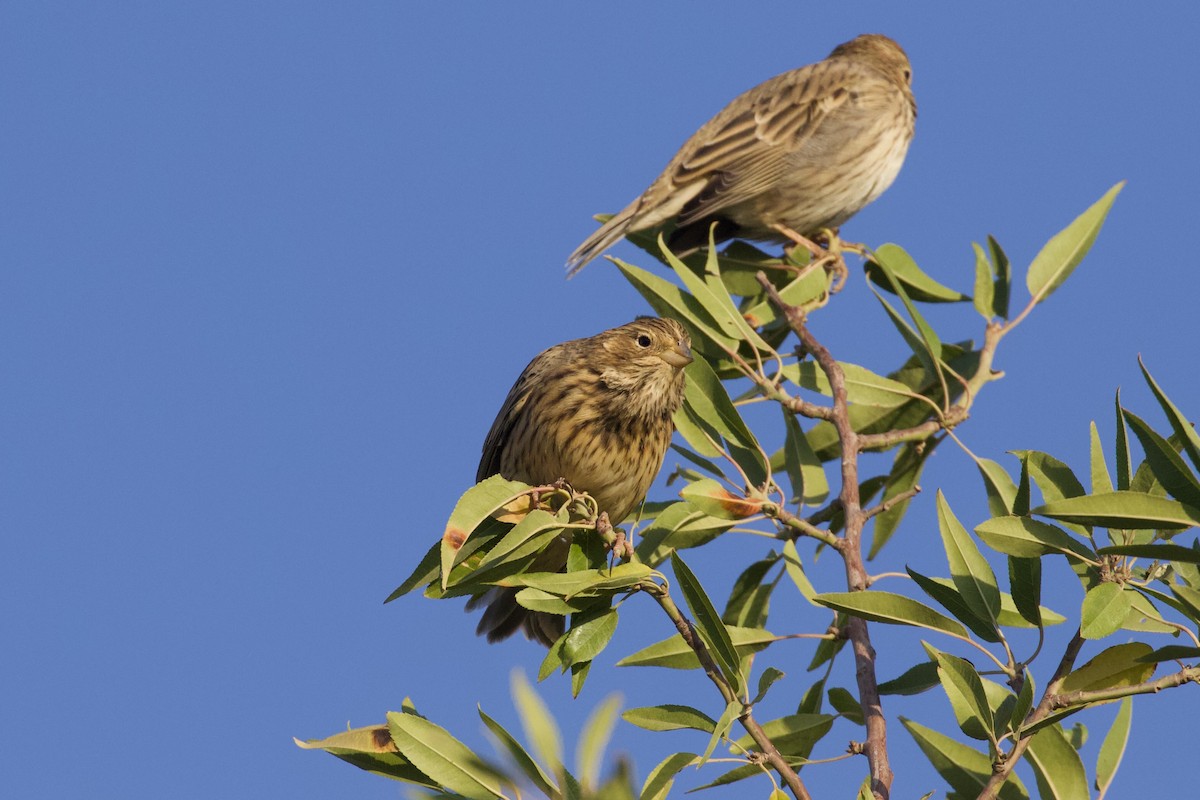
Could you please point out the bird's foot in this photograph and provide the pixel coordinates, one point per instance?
(614, 539)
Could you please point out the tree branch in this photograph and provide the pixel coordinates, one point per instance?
(850, 545)
(688, 632)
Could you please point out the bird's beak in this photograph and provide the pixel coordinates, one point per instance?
(678, 356)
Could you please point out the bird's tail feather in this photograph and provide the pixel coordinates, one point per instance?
(604, 237)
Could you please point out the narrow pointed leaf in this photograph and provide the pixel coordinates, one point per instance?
(795, 571)
(477, 504)
(1101, 480)
(1120, 665)
(442, 757)
(1062, 254)
(673, 653)
(1185, 430)
(541, 731)
(964, 688)
(373, 750)
(1112, 750)
(964, 768)
(893, 609)
(1105, 608)
(593, 740)
(970, 571)
(585, 641)
(1057, 767)
(658, 782)
(1123, 509)
(669, 718)
(1025, 581)
(1001, 491)
(985, 288)
(916, 282)
(1166, 464)
(708, 622)
(720, 729)
(520, 756)
(1028, 538)
(804, 470)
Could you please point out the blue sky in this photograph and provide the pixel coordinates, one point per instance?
(268, 270)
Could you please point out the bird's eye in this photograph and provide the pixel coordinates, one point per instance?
(643, 340)
(908, 75)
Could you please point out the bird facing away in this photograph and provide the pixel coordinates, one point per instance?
(804, 151)
(596, 412)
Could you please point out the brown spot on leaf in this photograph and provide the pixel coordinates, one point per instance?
(381, 738)
(738, 506)
(454, 537)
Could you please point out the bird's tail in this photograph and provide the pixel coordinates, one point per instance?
(605, 237)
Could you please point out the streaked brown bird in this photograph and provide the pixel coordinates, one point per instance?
(596, 412)
(800, 153)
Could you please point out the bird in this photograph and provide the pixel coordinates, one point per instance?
(596, 412)
(796, 155)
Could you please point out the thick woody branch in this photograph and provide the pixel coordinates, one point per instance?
(850, 545)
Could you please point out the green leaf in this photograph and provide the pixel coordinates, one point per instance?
(1062, 254)
(1023, 704)
(1120, 665)
(585, 641)
(721, 729)
(1113, 748)
(916, 679)
(476, 504)
(1028, 538)
(658, 782)
(678, 526)
(916, 282)
(673, 653)
(944, 593)
(749, 600)
(712, 295)
(708, 623)
(584, 583)
(593, 740)
(425, 573)
(446, 760)
(526, 537)
(972, 576)
(1101, 481)
(804, 470)
(993, 280)
(765, 681)
(927, 354)
(540, 729)
(795, 571)
(1001, 491)
(1105, 608)
(669, 718)
(1179, 424)
(847, 705)
(705, 396)
(985, 289)
(863, 387)
(964, 688)
(1159, 552)
(893, 609)
(1165, 463)
(520, 756)
(1025, 580)
(792, 735)
(964, 768)
(1122, 509)
(373, 750)
(1056, 766)
(1124, 473)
